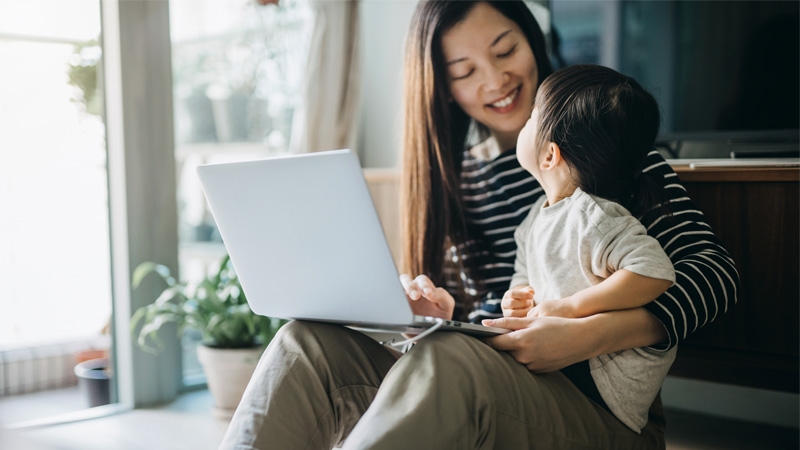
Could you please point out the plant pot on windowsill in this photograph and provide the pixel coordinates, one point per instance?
(217, 307)
(94, 381)
(228, 370)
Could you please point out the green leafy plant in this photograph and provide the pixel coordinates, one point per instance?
(82, 73)
(216, 306)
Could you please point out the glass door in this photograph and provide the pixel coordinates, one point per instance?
(54, 233)
(237, 73)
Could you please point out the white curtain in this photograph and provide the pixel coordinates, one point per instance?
(325, 119)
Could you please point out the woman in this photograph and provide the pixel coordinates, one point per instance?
(472, 70)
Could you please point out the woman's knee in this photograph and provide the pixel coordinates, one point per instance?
(330, 345)
(302, 333)
(452, 354)
(300, 328)
(447, 341)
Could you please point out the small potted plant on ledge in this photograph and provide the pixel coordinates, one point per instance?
(233, 336)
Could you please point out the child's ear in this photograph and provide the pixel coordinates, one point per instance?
(551, 157)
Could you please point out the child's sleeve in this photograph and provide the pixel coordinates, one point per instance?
(629, 247)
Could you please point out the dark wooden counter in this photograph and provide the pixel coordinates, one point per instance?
(755, 211)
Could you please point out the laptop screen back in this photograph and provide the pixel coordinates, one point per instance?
(304, 238)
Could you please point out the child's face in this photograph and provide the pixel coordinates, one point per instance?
(527, 153)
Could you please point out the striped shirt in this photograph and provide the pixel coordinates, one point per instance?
(497, 195)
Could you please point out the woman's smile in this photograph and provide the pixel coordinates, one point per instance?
(507, 103)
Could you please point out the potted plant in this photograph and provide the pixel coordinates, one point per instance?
(82, 73)
(233, 336)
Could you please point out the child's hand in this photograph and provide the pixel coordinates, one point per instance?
(517, 301)
(554, 308)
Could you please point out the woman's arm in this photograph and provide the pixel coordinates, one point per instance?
(546, 344)
(707, 282)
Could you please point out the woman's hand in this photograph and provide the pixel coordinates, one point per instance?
(542, 344)
(546, 344)
(426, 299)
(517, 301)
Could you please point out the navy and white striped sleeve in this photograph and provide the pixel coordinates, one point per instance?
(706, 282)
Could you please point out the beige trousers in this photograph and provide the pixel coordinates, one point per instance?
(318, 384)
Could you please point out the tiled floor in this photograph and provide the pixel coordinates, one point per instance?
(188, 424)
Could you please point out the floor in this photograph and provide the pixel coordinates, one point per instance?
(22, 408)
(686, 431)
(187, 423)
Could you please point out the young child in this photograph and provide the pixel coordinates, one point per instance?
(580, 251)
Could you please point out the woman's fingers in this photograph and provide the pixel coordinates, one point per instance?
(412, 290)
(419, 287)
(425, 283)
(509, 323)
(427, 299)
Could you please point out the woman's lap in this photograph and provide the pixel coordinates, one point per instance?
(454, 391)
(449, 391)
(311, 386)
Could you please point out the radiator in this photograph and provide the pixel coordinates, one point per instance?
(36, 368)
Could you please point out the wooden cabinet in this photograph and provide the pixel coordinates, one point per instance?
(755, 212)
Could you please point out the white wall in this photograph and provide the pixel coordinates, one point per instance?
(383, 26)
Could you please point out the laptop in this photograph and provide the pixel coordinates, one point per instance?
(305, 240)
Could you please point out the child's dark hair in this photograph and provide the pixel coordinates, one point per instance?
(605, 124)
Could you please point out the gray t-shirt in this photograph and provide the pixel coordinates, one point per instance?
(575, 244)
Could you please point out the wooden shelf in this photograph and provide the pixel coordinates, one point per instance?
(755, 211)
(736, 173)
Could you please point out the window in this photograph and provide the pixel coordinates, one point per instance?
(237, 70)
(54, 235)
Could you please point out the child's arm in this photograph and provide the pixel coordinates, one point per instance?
(518, 299)
(622, 290)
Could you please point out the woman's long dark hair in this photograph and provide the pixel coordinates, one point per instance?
(435, 132)
(605, 124)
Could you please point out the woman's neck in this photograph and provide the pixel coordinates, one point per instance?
(506, 140)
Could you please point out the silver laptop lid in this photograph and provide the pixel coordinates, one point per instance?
(305, 239)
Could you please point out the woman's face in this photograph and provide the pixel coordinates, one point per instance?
(491, 71)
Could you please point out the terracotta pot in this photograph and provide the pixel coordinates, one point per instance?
(227, 373)
(86, 355)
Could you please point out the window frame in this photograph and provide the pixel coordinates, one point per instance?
(137, 82)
